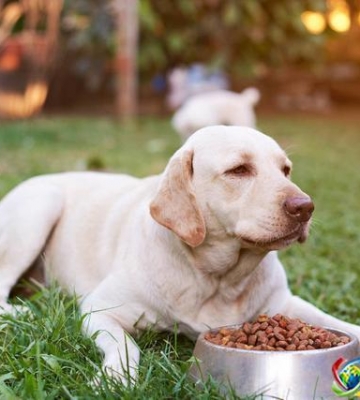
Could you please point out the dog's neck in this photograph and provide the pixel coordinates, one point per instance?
(226, 270)
(220, 262)
(226, 259)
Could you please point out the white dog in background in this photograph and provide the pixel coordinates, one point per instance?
(192, 247)
(220, 107)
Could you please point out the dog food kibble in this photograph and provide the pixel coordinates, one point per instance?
(277, 333)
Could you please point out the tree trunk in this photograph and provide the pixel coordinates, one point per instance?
(126, 97)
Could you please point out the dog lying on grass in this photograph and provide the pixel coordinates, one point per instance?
(220, 107)
(193, 247)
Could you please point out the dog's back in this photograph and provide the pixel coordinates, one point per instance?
(61, 214)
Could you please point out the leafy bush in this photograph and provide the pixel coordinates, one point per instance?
(241, 37)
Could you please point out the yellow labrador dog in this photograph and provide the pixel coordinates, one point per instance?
(214, 108)
(194, 246)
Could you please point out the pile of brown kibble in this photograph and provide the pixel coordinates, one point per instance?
(277, 333)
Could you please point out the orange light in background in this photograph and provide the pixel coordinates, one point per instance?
(339, 20)
(23, 105)
(314, 21)
(338, 15)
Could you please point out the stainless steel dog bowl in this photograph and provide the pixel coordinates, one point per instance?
(290, 375)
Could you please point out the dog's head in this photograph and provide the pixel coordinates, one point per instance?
(235, 182)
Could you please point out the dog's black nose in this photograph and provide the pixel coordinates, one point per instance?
(299, 208)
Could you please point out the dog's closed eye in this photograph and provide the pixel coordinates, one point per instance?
(287, 170)
(241, 170)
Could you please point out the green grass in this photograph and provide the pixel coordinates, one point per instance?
(45, 356)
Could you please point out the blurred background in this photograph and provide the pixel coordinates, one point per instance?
(128, 57)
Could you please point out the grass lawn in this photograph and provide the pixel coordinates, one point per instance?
(44, 355)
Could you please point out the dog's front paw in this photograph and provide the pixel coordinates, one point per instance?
(126, 373)
(13, 309)
(114, 374)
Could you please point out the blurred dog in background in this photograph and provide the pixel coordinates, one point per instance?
(220, 107)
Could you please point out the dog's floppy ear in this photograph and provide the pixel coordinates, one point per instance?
(175, 206)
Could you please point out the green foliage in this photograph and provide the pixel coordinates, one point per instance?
(88, 39)
(241, 37)
(238, 36)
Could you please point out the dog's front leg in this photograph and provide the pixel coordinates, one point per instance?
(121, 354)
(296, 307)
